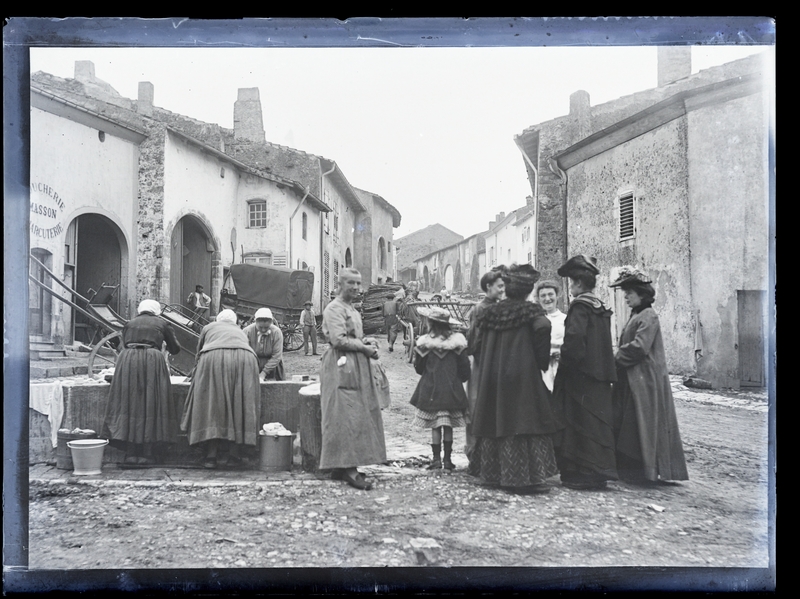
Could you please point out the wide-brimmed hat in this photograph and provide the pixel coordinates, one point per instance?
(149, 305)
(437, 314)
(578, 264)
(263, 313)
(630, 276)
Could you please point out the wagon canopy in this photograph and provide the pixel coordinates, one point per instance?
(271, 286)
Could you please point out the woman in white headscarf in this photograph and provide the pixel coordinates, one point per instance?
(225, 394)
(140, 416)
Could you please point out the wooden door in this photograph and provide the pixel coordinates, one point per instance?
(752, 326)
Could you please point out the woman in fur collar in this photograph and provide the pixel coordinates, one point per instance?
(441, 358)
(514, 419)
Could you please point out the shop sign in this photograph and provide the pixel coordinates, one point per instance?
(47, 212)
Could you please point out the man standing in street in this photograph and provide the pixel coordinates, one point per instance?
(199, 302)
(309, 323)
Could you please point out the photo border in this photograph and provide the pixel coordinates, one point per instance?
(21, 34)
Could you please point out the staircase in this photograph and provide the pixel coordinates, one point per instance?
(45, 350)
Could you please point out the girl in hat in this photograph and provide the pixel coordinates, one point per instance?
(440, 400)
(648, 443)
(514, 420)
(582, 387)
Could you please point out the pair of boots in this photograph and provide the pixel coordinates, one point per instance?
(437, 462)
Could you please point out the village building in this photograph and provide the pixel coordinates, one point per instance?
(126, 194)
(673, 180)
(509, 238)
(457, 267)
(418, 244)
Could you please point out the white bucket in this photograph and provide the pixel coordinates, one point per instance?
(87, 456)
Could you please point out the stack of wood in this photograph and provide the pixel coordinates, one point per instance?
(372, 306)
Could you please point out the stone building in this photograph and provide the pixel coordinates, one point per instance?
(457, 267)
(421, 243)
(674, 180)
(126, 193)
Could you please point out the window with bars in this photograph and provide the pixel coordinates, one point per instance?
(336, 270)
(258, 258)
(257, 214)
(627, 216)
(305, 225)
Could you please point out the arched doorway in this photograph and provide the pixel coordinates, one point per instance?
(348, 258)
(448, 277)
(381, 253)
(95, 252)
(457, 284)
(191, 259)
(474, 272)
(40, 303)
(426, 278)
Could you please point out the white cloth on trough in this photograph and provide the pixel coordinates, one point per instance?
(48, 399)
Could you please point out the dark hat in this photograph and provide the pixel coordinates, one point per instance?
(629, 276)
(309, 303)
(519, 280)
(579, 263)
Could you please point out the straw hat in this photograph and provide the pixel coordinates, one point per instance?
(437, 314)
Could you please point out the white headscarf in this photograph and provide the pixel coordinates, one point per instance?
(227, 316)
(149, 305)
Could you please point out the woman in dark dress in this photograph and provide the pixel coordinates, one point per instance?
(140, 416)
(514, 419)
(224, 399)
(582, 387)
(648, 443)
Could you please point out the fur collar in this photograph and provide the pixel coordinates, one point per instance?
(456, 342)
(509, 314)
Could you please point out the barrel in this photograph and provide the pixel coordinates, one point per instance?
(63, 453)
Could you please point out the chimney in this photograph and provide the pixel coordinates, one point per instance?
(144, 105)
(248, 123)
(500, 217)
(84, 71)
(674, 63)
(581, 110)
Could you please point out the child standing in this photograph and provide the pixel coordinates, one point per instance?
(441, 358)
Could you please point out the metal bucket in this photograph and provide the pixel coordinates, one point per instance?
(63, 454)
(275, 453)
(87, 456)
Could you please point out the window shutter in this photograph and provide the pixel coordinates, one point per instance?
(627, 229)
(279, 260)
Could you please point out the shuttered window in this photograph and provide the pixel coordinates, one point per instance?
(627, 217)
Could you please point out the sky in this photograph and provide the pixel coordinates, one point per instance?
(431, 130)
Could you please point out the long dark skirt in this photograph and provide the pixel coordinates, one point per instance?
(516, 461)
(140, 409)
(224, 398)
(585, 447)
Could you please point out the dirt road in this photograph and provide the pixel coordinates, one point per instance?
(717, 518)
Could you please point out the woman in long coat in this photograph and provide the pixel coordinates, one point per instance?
(648, 442)
(582, 388)
(225, 394)
(514, 419)
(140, 417)
(352, 426)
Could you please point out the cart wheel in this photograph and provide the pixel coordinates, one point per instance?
(108, 343)
(292, 337)
(411, 343)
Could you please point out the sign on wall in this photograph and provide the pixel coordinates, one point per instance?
(47, 212)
